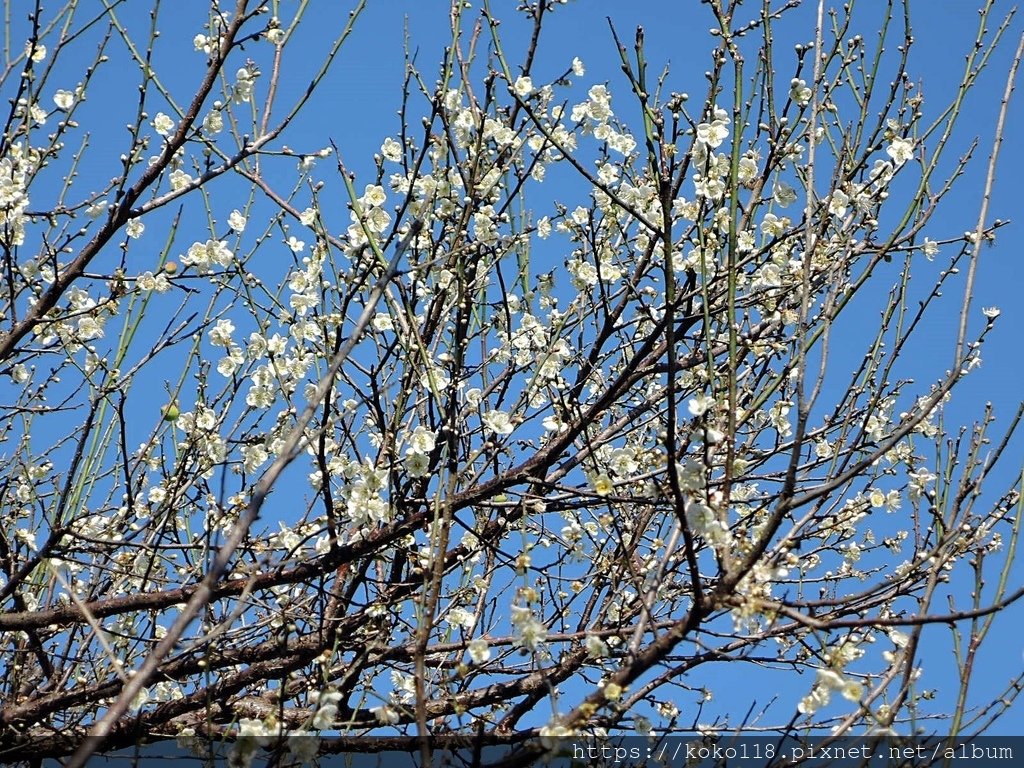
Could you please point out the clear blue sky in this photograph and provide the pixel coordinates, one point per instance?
(356, 108)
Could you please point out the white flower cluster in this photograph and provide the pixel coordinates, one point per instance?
(604, 269)
(433, 195)
(498, 422)
(365, 506)
(800, 92)
(478, 650)
(200, 428)
(530, 343)
(713, 133)
(252, 734)
(305, 286)
(13, 197)
(204, 255)
(368, 217)
(705, 522)
(501, 134)
(85, 321)
(711, 182)
(485, 225)
(417, 452)
(245, 81)
(530, 631)
(213, 123)
(31, 112)
(281, 374)
(595, 113)
(827, 681)
(326, 710)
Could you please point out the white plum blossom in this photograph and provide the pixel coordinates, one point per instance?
(919, 479)
(709, 187)
(385, 714)
(64, 100)
(37, 114)
(881, 173)
(774, 226)
(326, 711)
(498, 422)
(699, 404)
(602, 485)
(391, 150)
(275, 35)
(205, 255)
(478, 650)
(417, 464)
(799, 92)
(553, 414)
(373, 195)
(784, 194)
(36, 50)
(623, 461)
(827, 681)
(422, 440)
(554, 424)
(254, 456)
(712, 134)
(597, 107)
(596, 647)
(89, 327)
(179, 180)
(530, 632)
(220, 334)
(213, 123)
(147, 281)
(748, 169)
(163, 124)
(900, 150)
(838, 203)
(243, 88)
(237, 221)
(778, 417)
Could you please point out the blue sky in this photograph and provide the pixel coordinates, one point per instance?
(356, 107)
(358, 110)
